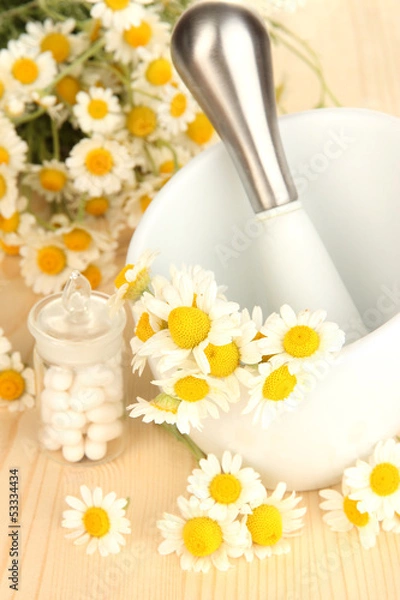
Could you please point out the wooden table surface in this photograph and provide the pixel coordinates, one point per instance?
(359, 43)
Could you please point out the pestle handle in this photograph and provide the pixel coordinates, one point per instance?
(223, 54)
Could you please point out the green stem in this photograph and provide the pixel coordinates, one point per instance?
(185, 439)
(56, 140)
(137, 91)
(18, 10)
(165, 144)
(49, 12)
(28, 117)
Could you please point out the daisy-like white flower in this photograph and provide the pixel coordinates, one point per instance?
(118, 14)
(17, 383)
(199, 540)
(201, 396)
(153, 74)
(199, 133)
(97, 520)
(168, 161)
(133, 280)
(8, 192)
(162, 409)
(12, 148)
(98, 111)
(136, 200)
(50, 179)
(221, 486)
(279, 386)
(142, 121)
(376, 484)
(15, 229)
(99, 166)
(343, 515)
(100, 270)
(146, 326)
(84, 245)
(5, 344)
(304, 338)
(176, 110)
(272, 521)
(150, 37)
(44, 262)
(196, 318)
(56, 38)
(28, 69)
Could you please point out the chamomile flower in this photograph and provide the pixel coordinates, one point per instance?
(200, 396)
(304, 338)
(12, 148)
(137, 200)
(100, 270)
(56, 38)
(83, 245)
(151, 75)
(5, 344)
(221, 486)
(133, 280)
(17, 383)
(15, 229)
(272, 521)
(146, 325)
(8, 192)
(105, 213)
(199, 133)
(176, 110)
(117, 13)
(196, 318)
(98, 111)
(99, 166)
(199, 540)
(97, 520)
(278, 387)
(162, 409)
(376, 484)
(147, 38)
(44, 262)
(142, 121)
(51, 180)
(344, 515)
(167, 161)
(29, 70)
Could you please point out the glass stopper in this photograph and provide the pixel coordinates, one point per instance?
(76, 297)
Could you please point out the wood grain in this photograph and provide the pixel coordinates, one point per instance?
(359, 44)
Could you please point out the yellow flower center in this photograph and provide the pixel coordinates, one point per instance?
(99, 161)
(385, 479)
(200, 130)
(191, 389)
(188, 326)
(97, 109)
(58, 44)
(279, 384)
(144, 202)
(97, 207)
(223, 360)
(51, 260)
(167, 167)
(25, 70)
(3, 186)
(178, 105)
(144, 330)
(93, 275)
(77, 240)
(141, 121)
(135, 287)
(96, 521)
(67, 88)
(52, 180)
(11, 224)
(301, 341)
(159, 71)
(117, 4)
(12, 385)
(120, 278)
(265, 525)
(2, 89)
(9, 249)
(202, 536)
(353, 514)
(166, 403)
(4, 156)
(138, 36)
(225, 488)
